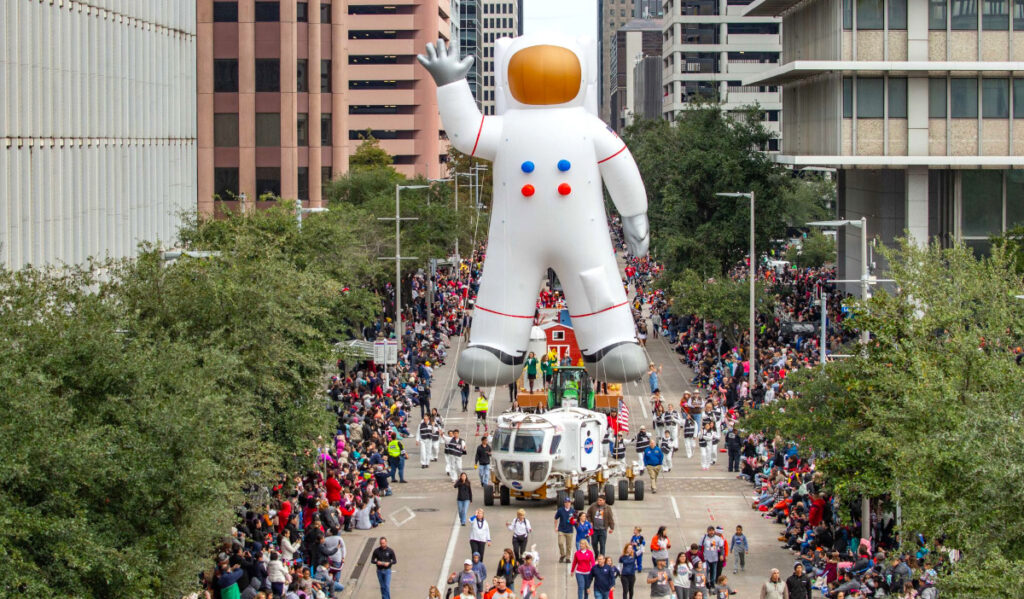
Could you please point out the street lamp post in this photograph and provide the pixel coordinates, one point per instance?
(398, 257)
(299, 211)
(751, 275)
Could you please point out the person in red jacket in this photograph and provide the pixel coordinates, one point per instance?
(284, 513)
(333, 489)
(817, 510)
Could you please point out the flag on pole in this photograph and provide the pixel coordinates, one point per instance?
(623, 417)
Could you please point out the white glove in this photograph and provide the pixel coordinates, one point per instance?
(444, 64)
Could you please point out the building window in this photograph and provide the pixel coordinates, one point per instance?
(325, 129)
(325, 76)
(981, 206)
(302, 127)
(996, 16)
(268, 75)
(303, 182)
(995, 98)
(302, 12)
(897, 98)
(558, 335)
(225, 130)
(937, 15)
(267, 12)
(268, 180)
(1018, 15)
(964, 15)
(268, 130)
(963, 98)
(847, 97)
(937, 98)
(1014, 198)
(897, 14)
(225, 12)
(325, 13)
(847, 14)
(225, 75)
(870, 95)
(1018, 98)
(870, 14)
(225, 182)
(302, 75)
(325, 174)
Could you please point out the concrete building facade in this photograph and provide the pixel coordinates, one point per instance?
(633, 41)
(920, 105)
(287, 89)
(97, 116)
(710, 46)
(500, 19)
(647, 92)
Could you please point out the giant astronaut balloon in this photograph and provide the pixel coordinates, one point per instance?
(550, 155)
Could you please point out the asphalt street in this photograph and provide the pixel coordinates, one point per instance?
(423, 528)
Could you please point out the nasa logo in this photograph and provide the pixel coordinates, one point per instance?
(517, 485)
(588, 445)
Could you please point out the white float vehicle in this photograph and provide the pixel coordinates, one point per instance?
(557, 454)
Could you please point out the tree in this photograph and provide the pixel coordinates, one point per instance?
(684, 164)
(816, 250)
(369, 154)
(1013, 242)
(931, 413)
(723, 301)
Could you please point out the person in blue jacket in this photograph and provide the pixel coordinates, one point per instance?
(653, 457)
(604, 575)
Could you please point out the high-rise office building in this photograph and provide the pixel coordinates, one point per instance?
(470, 13)
(647, 88)
(634, 40)
(611, 15)
(97, 116)
(287, 89)
(917, 106)
(500, 19)
(710, 46)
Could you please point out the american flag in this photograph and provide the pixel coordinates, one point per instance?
(623, 417)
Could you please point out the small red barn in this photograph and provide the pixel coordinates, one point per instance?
(561, 337)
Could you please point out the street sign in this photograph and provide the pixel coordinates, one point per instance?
(385, 351)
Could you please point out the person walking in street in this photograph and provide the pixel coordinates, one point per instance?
(652, 377)
(584, 529)
(481, 572)
(396, 460)
(733, 443)
(437, 427)
(706, 442)
(638, 542)
(463, 496)
(660, 580)
(508, 567)
(682, 576)
(604, 574)
(627, 570)
(642, 440)
(774, 587)
(521, 530)
(618, 449)
(667, 449)
(689, 435)
(601, 517)
(660, 544)
(479, 533)
(713, 546)
(454, 449)
(464, 393)
(384, 558)
(739, 547)
(333, 547)
(564, 527)
(653, 457)
(425, 440)
(582, 563)
(798, 585)
(481, 413)
(531, 576)
(482, 461)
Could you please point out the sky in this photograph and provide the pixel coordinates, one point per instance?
(570, 17)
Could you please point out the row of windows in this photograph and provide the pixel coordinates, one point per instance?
(268, 75)
(496, 22)
(961, 101)
(491, 9)
(267, 12)
(960, 15)
(268, 129)
(268, 180)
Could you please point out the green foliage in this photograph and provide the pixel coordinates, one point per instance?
(706, 151)
(720, 300)
(369, 154)
(817, 250)
(932, 411)
(1013, 242)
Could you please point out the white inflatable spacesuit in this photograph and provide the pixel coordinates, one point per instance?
(550, 155)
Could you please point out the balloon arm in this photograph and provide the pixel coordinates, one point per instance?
(468, 130)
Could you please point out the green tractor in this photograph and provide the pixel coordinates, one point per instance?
(570, 386)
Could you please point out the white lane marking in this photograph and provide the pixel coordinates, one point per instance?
(442, 578)
(700, 477)
(404, 508)
(712, 496)
(675, 507)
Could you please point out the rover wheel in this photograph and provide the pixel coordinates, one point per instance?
(638, 490)
(562, 496)
(488, 495)
(623, 490)
(504, 496)
(609, 493)
(592, 492)
(578, 500)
